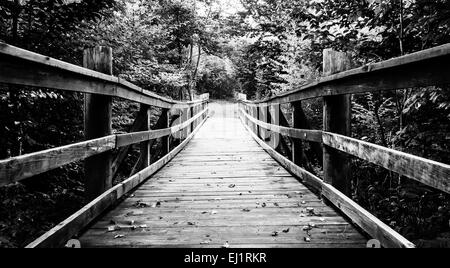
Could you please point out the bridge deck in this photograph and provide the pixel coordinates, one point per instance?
(223, 188)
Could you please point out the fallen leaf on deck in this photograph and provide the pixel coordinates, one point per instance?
(157, 204)
(276, 204)
(232, 185)
(113, 228)
(119, 236)
(307, 239)
(286, 231)
(246, 210)
(226, 245)
(264, 205)
(274, 233)
(213, 212)
(191, 223)
(140, 204)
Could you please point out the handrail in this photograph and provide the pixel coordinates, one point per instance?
(25, 166)
(425, 68)
(71, 226)
(431, 173)
(364, 219)
(26, 68)
(420, 69)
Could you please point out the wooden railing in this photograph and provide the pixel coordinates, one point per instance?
(262, 118)
(28, 69)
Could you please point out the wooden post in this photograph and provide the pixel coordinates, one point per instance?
(258, 133)
(97, 124)
(274, 111)
(192, 116)
(166, 140)
(336, 119)
(297, 148)
(145, 146)
(263, 110)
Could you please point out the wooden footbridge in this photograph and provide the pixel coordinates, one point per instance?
(225, 184)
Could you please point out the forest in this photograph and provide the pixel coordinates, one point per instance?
(183, 48)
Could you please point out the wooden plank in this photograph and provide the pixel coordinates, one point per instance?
(426, 171)
(58, 235)
(97, 124)
(25, 166)
(369, 223)
(303, 134)
(22, 67)
(337, 119)
(424, 68)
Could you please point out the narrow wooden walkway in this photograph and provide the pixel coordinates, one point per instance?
(222, 189)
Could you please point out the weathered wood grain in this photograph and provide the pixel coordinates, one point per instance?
(336, 119)
(365, 220)
(426, 171)
(22, 67)
(97, 124)
(25, 166)
(424, 68)
(369, 223)
(58, 235)
(136, 137)
(186, 200)
(305, 176)
(303, 134)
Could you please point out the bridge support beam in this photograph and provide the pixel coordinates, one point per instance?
(97, 124)
(336, 119)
